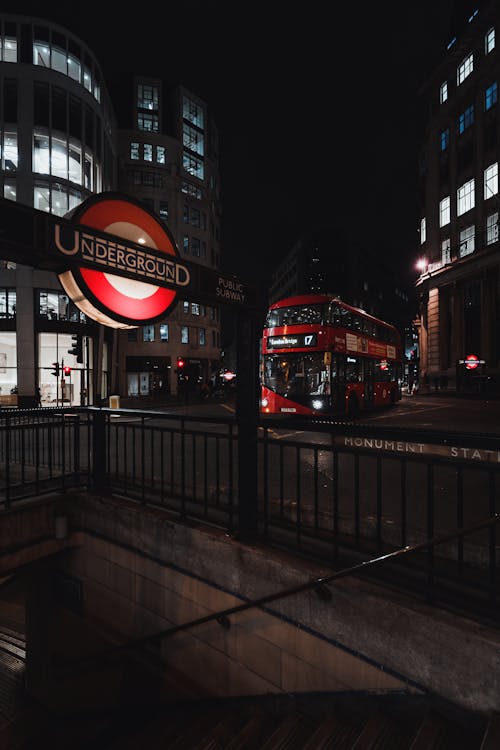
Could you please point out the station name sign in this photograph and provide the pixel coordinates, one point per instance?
(479, 455)
(97, 251)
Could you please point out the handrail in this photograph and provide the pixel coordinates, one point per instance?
(318, 583)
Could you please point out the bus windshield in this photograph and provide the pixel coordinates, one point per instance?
(296, 315)
(296, 375)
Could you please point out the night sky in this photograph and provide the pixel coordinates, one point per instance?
(319, 115)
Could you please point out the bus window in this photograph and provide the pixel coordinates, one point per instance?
(353, 372)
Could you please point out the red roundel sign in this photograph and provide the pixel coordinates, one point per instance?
(114, 300)
(471, 361)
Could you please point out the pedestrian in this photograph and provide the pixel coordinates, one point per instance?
(38, 397)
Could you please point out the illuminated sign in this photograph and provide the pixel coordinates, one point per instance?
(472, 361)
(299, 340)
(131, 298)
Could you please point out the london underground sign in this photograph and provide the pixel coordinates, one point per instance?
(471, 362)
(115, 259)
(115, 300)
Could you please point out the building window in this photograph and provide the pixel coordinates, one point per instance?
(195, 247)
(188, 189)
(193, 139)
(148, 152)
(132, 335)
(184, 334)
(185, 244)
(465, 197)
(185, 214)
(201, 336)
(134, 151)
(163, 331)
(164, 210)
(160, 154)
(489, 41)
(9, 151)
(147, 122)
(148, 333)
(185, 307)
(467, 241)
(195, 217)
(443, 92)
(490, 96)
(444, 211)
(445, 139)
(446, 251)
(193, 166)
(147, 96)
(466, 119)
(8, 49)
(492, 228)
(195, 308)
(465, 68)
(423, 231)
(193, 113)
(491, 180)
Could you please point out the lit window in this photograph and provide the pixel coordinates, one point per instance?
(465, 68)
(490, 96)
(491, 180)
(163, 331)
(423, 231)
(444, 211)
(465, 197)
(160, 154)
(201, 336)
(193, 112)
(185, 244)
(8, 49)
(148, 152)
(467, 241)
(147, 96)
(164, 210)
(193, 166)
(184, 334)
(193, 139)
(492, 228)
(147, 122)
(195, 308)
(446, 251)
(134, 151)
(9, 152)
(466, 119)
(443, 92)
(489, 41)
(148, 333)
(445, 139)
(185, 307)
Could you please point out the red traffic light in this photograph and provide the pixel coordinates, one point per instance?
(180, 363)
(67, 369)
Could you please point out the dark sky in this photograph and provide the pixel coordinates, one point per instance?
(318, 111)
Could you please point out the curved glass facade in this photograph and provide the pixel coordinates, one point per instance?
(57, 147)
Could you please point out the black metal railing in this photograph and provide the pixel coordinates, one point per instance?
(337, 493)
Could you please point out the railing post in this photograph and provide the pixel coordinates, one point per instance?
(247, 411)
(100, 480)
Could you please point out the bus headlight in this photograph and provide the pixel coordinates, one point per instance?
(265, 402)
(317, 403)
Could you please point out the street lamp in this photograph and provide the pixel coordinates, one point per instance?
(421, 264)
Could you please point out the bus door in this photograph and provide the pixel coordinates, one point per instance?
(369, 378)
(338, 382)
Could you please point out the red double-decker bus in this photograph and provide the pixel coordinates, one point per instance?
(322, 356)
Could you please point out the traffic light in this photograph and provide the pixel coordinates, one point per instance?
(67, 369)
(180, 364)
(77, 347)
(55, 371)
